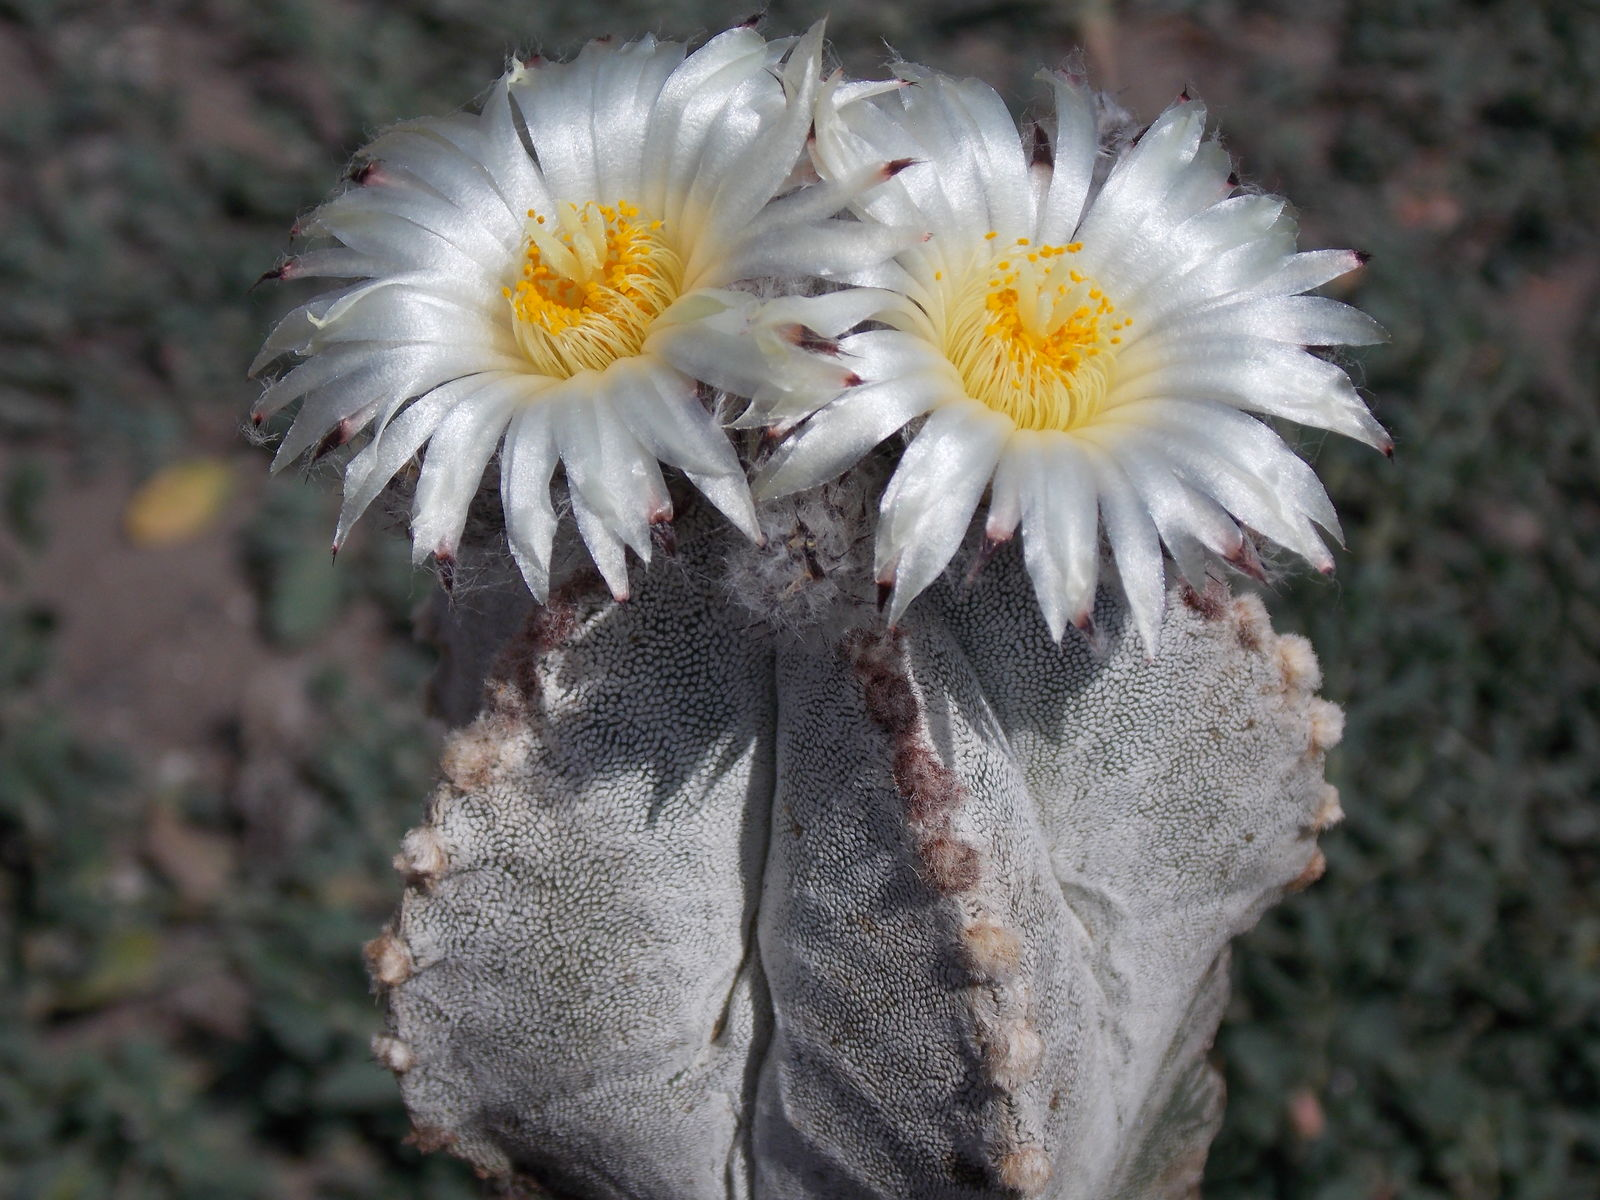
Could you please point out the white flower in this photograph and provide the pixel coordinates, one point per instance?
(552, 277)
(1083, 349)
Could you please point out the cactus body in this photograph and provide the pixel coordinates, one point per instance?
(703, 911)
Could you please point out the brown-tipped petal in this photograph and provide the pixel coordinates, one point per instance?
(446, 560)
(284, 270)
(885, 590)
(1042, 155)
(333, 439)
(895, 166)
(1248, 560)
(366, 173)
(809, 339)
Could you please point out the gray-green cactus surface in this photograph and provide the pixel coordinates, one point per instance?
(704, 910)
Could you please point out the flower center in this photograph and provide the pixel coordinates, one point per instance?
(1034, 338)
(593, 280)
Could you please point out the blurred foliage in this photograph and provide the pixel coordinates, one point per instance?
(182, 1011)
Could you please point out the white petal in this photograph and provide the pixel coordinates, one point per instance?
(816, 201)
(379, 234)
(527, 461)
(689, 110)
(594, 108)
(930, 500)
(1135, 547)
(751, 180)
(332, 262)
(294, 330)
(627, 87)
(1311, 269)
(1142, 177)
(834, 313)
(398, 372)
(517, 181)
(1075, 144)
(1217, 280)
(452, 469)
(618, 481)
(412, 315)
(1254, 374)
(1190, 523)
(1247, 469)
(840, 434)
(1201, 184)
(727, 340)
(605, 547)
(1158, 252)
(370, 471)
(1061, 529)
(1297, 320)
(828, 249)
(664, 413)
(469, 210)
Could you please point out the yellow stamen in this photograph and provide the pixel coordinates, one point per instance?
(1035, 340)
(593, 281)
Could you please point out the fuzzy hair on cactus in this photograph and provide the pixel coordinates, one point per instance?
(706, 911)
(838, 847)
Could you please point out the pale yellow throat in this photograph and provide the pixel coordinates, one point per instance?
(1032, 337)
(594, 279)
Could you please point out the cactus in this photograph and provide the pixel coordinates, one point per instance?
(760, 884)
(710, 906)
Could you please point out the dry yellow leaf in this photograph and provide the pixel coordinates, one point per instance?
(178, 502)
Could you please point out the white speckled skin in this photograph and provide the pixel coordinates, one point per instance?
(700, 912)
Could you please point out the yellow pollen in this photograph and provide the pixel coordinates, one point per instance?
(1034, 340)
(593, 280)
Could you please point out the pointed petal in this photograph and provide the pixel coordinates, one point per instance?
(1134, 545)
(453, 467)
(930, 500)
(370, 471)
(527, 461)
(1075, 144)
(840, 434)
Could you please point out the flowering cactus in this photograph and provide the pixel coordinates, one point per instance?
(798, 862)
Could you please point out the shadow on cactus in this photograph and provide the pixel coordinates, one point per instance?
(813, 855)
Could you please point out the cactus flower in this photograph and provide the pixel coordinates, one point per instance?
(551, 277)
(1085, 345)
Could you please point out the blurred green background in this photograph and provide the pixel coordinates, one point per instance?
(211, 740)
